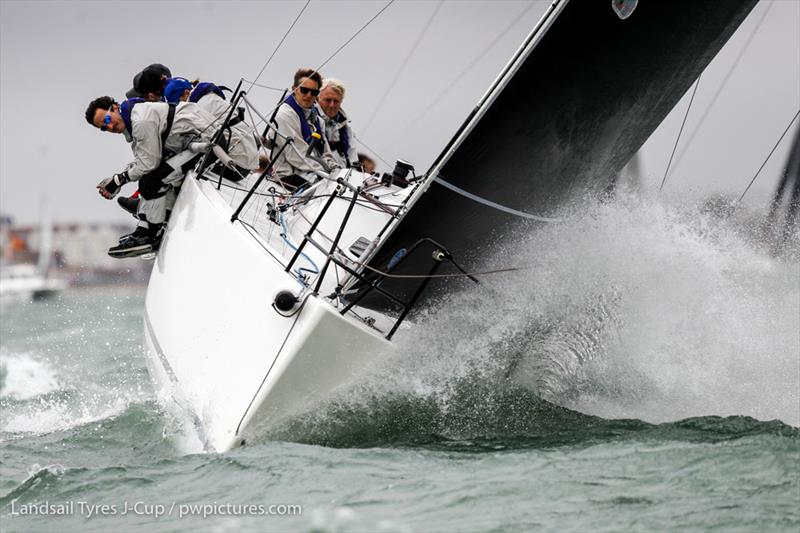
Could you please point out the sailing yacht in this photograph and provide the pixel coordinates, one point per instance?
(302, 292)
(21, 282)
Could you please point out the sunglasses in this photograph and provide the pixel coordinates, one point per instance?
(306, 90)
(106, 122)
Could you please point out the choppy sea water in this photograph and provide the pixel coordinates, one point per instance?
(643, 374)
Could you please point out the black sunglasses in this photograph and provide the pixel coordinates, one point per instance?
(106, 122)
(306, 90)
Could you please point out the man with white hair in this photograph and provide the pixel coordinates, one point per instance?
(337, 126)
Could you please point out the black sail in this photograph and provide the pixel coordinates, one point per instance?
(785, 206)
(580, 101)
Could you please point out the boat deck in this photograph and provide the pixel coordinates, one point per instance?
(366, 220)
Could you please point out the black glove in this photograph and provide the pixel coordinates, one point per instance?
(109, 187)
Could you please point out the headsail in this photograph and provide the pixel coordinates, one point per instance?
(578, 100)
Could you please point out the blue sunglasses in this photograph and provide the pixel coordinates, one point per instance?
(106, 122)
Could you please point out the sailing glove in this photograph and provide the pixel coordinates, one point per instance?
(109, 187)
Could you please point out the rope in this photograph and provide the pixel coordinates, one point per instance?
(770, 155)
(279, 44)
(489, 203)
(453, 275)
(675, 147)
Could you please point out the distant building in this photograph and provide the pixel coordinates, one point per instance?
(79, 251)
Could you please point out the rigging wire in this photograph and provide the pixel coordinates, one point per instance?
(721, 88)
(262, 86)
(685, 116)
(354, 35)
(449, 86)
(279, 45)
(768, 156)
(359, 141)
(403, 66)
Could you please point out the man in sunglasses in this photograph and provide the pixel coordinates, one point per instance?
(298, 119)
(157, 130)
(337, 126)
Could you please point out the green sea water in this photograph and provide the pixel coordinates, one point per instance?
(561, 401)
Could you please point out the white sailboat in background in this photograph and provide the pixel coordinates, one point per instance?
(21, 282)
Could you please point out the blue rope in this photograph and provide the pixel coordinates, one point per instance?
(300, 270)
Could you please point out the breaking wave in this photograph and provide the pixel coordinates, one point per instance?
(629, 310)
(36, 400)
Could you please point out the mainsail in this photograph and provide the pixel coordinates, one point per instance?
(581, 96)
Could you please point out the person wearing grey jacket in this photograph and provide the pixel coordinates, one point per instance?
(156, 131)
(297, 119)
(338, 132)
(242, 147)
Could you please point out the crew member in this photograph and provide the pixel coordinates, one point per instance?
(337, 126)
(298, 119)
(149, 83)
(156, 130)
(367, 163)
(238, 137)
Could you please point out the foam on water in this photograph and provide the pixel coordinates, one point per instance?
(36, 400)
(59, 414)
(705, 321)
(24, 376)
(630, 309)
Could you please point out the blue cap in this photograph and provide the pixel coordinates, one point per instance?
(175, 88)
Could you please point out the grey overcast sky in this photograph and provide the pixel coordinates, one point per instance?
(56, 56)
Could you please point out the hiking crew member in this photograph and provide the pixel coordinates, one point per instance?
(157, 130)
(298, 119)
(337, 126)
(149, 83)
(238, 137)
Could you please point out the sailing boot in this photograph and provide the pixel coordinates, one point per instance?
(131, 205)
(134, 244)
(157, 231)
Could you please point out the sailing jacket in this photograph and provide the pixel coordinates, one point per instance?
(288, 123)
(148, 122)
(341, 139)
(242, 147)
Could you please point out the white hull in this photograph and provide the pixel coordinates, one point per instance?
(217, 345)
